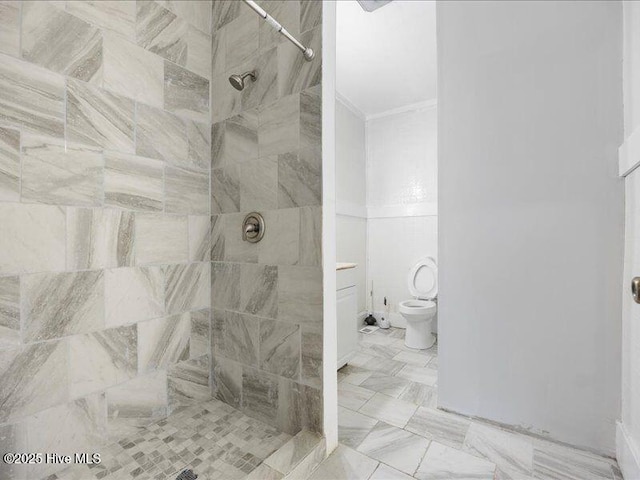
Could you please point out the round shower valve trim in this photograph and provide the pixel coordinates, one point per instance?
(253, 227)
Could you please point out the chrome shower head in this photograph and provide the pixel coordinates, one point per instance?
(237, 81)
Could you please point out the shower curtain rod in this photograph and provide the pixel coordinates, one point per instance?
(307, 52)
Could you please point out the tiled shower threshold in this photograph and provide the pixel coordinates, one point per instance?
(213, 439)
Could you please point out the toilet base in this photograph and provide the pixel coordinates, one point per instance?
(418, 335)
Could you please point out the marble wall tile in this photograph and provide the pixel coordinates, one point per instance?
(185, 93)
(300, 294)
(101, 359)
(236, 249)
(61, 42)
(281, 245)
(32, 378)
(279, 127)
(227, 381)
(186, 191)
(235, 140)
(310, 236)
(199, 140)
(134, 404)
(163, 342)
(161, 32)
(9, 311)
(259, 395)
(200, 235)
(242, 39)
(259, 184)
(118, 16)
(295, 74)
(9, 162)
(265, 90)
(55, 305)
(218, 42)
(311, 117)
(130, 70)
(199, 343)
(10, 28)
(299, 407)
(236, 336)
(77, 426)
(161, 135)
(188, 382)
(196, 12)
(227, 100)
(280, 348)
(33, 238)
(161, 238)
(132, 182)
(224, 11)
(31, 98)
(13, 438)
(225, 285)
(187, 287)
(311, 350)
(99, 118)
(59, 173)
(198, 50)
(310, 14)
(98, 238)
(300, 178)
(225, 189)
(133, 294)
(217, 238)
(288, 15)
(259, 290)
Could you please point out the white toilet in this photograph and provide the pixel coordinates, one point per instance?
(419, 312)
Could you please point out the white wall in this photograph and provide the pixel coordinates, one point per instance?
(531, 210)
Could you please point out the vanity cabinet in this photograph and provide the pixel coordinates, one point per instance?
(347, 315)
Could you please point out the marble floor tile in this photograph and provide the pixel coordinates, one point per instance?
(346, 464)
(378, 338)
(31, 98)
(379, 351)
(56, 305)
(161, 32)
(187, 287)
(445, 463)
(421, 394)
(161, 238)
(185, 93)
(189, 382)
(353, 396)
(225, 285)
(353, 375)
(132, 182)
(163, 342)
(265, 472)
(555, 461)
(133, 294)
(225, 190)
(116, 16)
(9, 311)
(384, 472)
(278, 132)
(280, 348)
(10, 28)
(395, 447)
(287, 457)
(353, 427)
(389, 385)
(417, 359)
(300, 178)
(259, 290)
(300, 294)
(388, 409)
(61, 42)
(443, 427)
(227, 381)
(378, 364)
(200, 234)
(161, 135)
(424, 375)
(512, 453)
(9, 161)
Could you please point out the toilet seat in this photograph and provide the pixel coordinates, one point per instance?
(422, 279)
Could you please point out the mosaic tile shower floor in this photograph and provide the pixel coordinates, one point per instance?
(212, 438)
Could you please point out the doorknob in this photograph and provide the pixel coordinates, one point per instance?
(635, 289)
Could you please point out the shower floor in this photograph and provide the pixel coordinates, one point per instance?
(213, 439)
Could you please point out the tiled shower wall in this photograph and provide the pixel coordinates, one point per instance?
(104, 219)
(266, 157)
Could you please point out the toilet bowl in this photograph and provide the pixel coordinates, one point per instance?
(420, 311)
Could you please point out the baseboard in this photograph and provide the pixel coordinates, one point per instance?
(627, 454)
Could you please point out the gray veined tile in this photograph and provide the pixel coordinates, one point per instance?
(227, 381)
(199, 139)
(310, 14)
(353, 427)
(287, 457)
(99, 118)
(199, 343)
(280, 348)
(218, 61)
(416, 359)
(133, 294)
(10, 28)
(186, 191)
(185, 93)
(217, 238)
(288, 15)
(242, 39)
(61, 42)
(443, 427)
(384, 351)
(384, 472)
(279, 127)
(259, 395)
(163, 342)
(161, 238)
(118, 16)
(388, 409)
(161, 135)
(300, 406)
(200, 235)
(425, 375)
(264, 472)
(300, 294)
(13, 438)
(223, 12)
(32, 378)
(225, 190)
(346, 464)
(235, 248)
(352, 396)
(311, 118)
(133, 405)
(99, 238)
(310, 236)
(264, 91)
(311, 355)
(58, 173)
(9, 162)
(9, 311)
(421, 394)
(227, 100)
(31, 98)
(295, 74)
(236, 336)
(300, 178)
(161, 32)
(555, 461)
(259, 184)
(132, 182)
(280, 244)
(225, 285)
(259, 290)
(55, 305)
(395, 447)
(130, 70)
(188, 382)
(353, 374)
(199, 56)
(389, 385)
(187, 287)
(235, 139)
(445, 463)
(195, 12)
(101, 359)
(374, 363)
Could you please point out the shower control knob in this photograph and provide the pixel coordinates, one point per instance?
(635, 289)
(253, 227)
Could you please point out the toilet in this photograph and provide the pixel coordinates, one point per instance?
(420, 311)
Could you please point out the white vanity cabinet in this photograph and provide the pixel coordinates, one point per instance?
(347, 305)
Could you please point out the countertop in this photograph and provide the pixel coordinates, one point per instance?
(345, 266)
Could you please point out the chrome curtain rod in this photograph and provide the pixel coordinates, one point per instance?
(307, 52)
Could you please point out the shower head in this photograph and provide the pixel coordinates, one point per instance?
(237, 81)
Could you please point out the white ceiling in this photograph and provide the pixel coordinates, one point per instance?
(387, 58)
